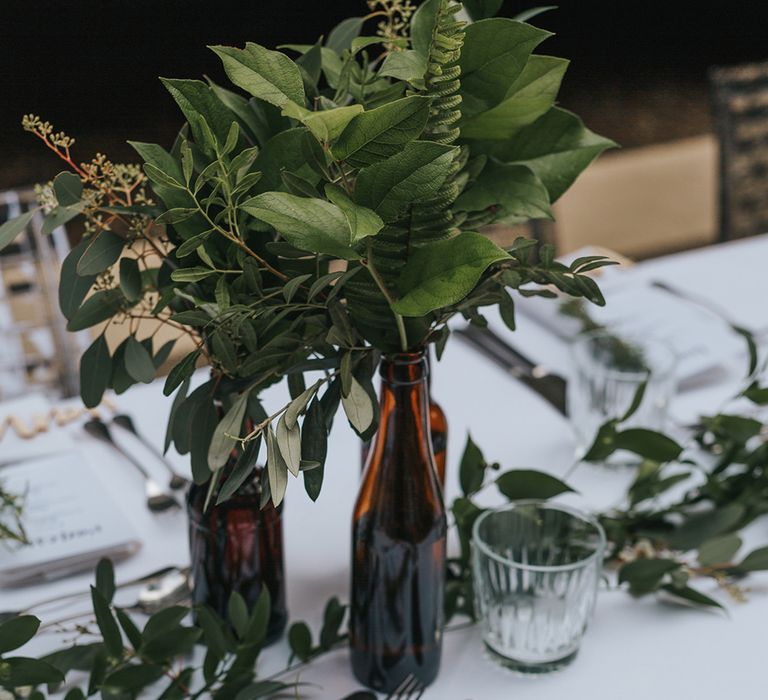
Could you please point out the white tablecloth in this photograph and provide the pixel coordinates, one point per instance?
(633, 650)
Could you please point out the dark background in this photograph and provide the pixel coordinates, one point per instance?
(638, 71)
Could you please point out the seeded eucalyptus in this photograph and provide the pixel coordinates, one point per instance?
(326, 206)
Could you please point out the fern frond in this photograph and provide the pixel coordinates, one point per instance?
(428, 221)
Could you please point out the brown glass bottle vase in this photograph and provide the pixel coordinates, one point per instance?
(398, 539)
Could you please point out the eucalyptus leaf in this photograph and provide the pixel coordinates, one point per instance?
(95, 372)
(138, 361)
(227, 432)
(17, 631)
(646, 575)
(289, 444)
(472, 468)
(130, 279)
(10, 229)
(756, 560)
(102, 252)
(276, 468)
(519, 484)
(358, 407)
(314, 446)
(718, 550)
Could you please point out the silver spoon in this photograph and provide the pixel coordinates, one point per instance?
(177, 481)
(171, 588)
(156, 580)
(157, 498)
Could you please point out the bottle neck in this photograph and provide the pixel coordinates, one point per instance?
(404, 390)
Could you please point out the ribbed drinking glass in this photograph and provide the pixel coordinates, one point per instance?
(536, 571)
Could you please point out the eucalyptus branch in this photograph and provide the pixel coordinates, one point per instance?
(230, 236)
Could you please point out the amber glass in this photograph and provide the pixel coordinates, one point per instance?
(237, 546)
(398, 539)
(438, 430)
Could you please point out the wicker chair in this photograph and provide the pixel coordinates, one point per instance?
(740, 104)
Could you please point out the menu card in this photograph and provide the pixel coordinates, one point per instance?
(70, 519)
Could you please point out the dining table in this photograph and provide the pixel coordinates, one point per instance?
(633, 649)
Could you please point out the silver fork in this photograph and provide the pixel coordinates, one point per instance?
(410, 689)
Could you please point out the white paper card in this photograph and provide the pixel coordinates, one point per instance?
(70, 520)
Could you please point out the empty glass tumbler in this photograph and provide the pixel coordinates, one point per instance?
(608, 371)
(537, 567)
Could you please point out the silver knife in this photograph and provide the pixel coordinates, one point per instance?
(547, 384)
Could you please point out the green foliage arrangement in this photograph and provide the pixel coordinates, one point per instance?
(388, 152)
(122, 661)
(679, 525)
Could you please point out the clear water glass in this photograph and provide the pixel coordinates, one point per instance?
(536, 566)
(608, 371)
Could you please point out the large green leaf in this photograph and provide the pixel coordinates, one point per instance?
(444, 272)
(284, 151)
(269, 75)
(344, 33)
(102, 252)
(531, 95)
(382, 132)
(326, 125)
(514, 189)
(95, 372)
(557, 147)
(413, 175)
(309, 224)
(362, 221)
(13, 227)
(405, 65)
(494, 55)
(422, 25)
(196, 99)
